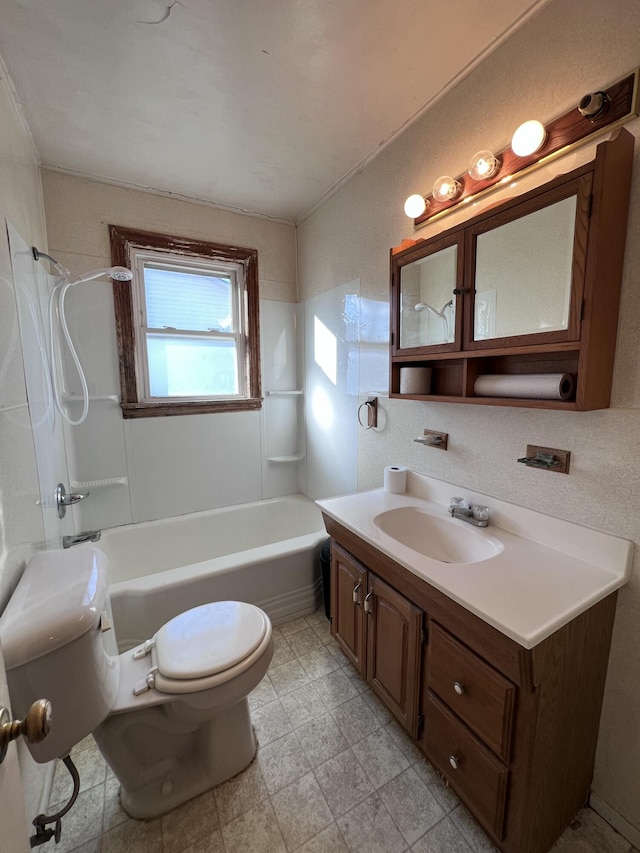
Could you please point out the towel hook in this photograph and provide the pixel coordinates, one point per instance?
(371, 405)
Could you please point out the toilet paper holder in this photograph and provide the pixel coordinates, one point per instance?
(547, 458)
(433, 438)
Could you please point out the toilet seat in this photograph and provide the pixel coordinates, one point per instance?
(204, 647)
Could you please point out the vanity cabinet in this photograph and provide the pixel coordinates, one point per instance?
(512, 730)
(380, 632)
(530, 286)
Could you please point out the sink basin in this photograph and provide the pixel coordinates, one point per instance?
(440, 539)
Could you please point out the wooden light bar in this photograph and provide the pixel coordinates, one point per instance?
(563, 133)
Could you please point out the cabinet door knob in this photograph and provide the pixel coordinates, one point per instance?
(368, 605)
(454, 761)
(459, 688)
(356, 590)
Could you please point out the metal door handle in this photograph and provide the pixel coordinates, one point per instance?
(35, 726)
(356, 590)
(368, 604)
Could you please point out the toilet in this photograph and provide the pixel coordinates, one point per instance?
(171, 716)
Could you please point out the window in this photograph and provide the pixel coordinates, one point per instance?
(187, 325)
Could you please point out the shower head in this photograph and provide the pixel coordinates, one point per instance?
(116, 273)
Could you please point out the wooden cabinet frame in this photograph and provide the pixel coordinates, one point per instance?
(587, 348)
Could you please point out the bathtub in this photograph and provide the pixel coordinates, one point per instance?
(266, 553)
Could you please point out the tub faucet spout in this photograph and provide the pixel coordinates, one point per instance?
(85, 536)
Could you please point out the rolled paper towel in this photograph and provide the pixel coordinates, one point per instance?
(415, 380)
(534, 386)
(395, 479)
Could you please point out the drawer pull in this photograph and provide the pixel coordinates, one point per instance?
(356, 590)
(459, 688)
(454, 761)
(368, 604)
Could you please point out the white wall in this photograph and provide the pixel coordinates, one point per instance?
(172, 465)
(567, 50)
(21, 519)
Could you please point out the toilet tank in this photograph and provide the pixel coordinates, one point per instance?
(59, 644)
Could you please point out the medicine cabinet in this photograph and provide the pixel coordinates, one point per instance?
(531, 286)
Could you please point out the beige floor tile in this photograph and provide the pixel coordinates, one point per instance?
(472, 833)
(303, 704)
(436, 784)
(335, 688)
(91, 767)
(83, 822)
(380, 758)
(443, 838)
(113, 814)
(318, 662)
(301, 810)
(343, 782)
(369, 827)
(190, 822)
(213, 843)
(282, 762)
(282, 652)
(356, 719)
(288, 677)
(321, 739)
(330, 840)
(303, 642)
(135, 836)
(255, 831)
(411, 804)
(289, 628)
(271, 722)
(241, 793)
(262, 695)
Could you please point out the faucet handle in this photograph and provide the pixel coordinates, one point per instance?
(480, 512)
(458, 503)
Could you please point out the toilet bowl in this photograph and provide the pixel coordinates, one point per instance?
(171, 716)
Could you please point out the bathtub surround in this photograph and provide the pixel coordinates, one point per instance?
(545, 68)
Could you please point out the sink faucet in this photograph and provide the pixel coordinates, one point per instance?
(76, 539)
(475, 514)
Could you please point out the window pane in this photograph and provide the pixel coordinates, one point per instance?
(188, 300)
(191, 367)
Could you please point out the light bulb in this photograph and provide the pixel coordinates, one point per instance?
(483, 165)
(445, 188)
(415, 205)
(528, 138)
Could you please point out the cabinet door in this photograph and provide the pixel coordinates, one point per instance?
(394, 635)
(348, 589)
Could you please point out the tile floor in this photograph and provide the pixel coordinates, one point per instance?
(334, 772)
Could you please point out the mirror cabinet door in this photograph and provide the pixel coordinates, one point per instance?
(427, 304)
(529, 272)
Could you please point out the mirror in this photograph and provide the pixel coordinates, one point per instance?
(523, 274)
(427, 303)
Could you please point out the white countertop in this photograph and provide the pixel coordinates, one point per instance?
(548, 572)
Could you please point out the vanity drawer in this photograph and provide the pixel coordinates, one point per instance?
(475, 691)
(474, 772)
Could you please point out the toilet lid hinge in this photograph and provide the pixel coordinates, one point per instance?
(146, 683)
(144, 649)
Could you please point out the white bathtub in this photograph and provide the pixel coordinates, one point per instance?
(266, 553)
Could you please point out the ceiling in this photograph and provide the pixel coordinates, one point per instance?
(265, 106)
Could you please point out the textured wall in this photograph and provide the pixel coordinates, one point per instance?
(568, 49)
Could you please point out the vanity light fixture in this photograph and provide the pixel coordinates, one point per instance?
(532, 145)
(446, 188)
(415, 205)
(528, 138)
(483, 165)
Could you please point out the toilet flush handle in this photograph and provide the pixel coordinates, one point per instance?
(35, 726)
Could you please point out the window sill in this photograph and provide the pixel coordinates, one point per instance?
(164, 409)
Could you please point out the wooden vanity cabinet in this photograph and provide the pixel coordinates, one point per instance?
(512, 730)
(380, 632)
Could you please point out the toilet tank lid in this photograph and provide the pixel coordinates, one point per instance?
(60, 596)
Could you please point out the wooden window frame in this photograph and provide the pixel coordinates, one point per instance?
(123, 240)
